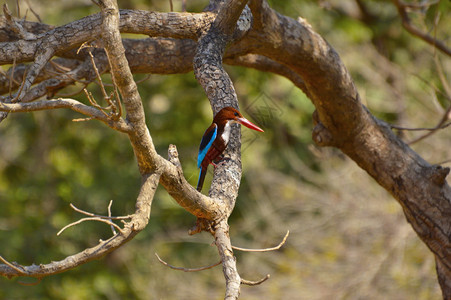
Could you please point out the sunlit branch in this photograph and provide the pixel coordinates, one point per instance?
(264, 249)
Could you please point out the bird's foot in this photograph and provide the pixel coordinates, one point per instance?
(219, 160)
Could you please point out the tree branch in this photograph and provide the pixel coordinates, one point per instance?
(72, 104)
(221, 93)
(419, 187)
(187, 269)
(137, 223)
(66, 37)
(407, 24)
(233, 279)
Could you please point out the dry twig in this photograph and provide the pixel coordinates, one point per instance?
(91, 219)
(99, 216)
(32, 10)
(265, 249)
(248, 282)
(186, 269)
(18, 270)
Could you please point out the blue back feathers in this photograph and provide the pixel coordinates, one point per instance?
(207, 141)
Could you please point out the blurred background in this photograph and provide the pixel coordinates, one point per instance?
(348, 237)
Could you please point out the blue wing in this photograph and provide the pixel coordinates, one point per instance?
(205, 144)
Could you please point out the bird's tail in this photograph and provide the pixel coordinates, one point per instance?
(200, 182)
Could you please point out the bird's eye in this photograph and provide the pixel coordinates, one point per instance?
(236, 114)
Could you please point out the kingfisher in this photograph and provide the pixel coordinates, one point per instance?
(216, 138)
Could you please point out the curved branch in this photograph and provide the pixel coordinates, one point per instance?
(98, 219)
(152, 55)
(187, 269)
(187, 196)
(248, 282)
(72, 104)
(264, 249)
(137, 223)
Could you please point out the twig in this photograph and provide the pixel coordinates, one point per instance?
(186, 269)
(72, 104)
(11, 266)
(100, 216)
(407, 24)
(144, 79)
(441, 124)
(59, 95)
(91, 219)
(59, 72)
(99, 78)
(420, 5)
(59, 67)
(83, 119)
(171, 5)
(442, 77)
(420, 128)
(109, 215)
(265, 249)
(444, 162)
(34, 13)
(18, 8)
(116, 115)
(93, 102)
(116, 106)
(22, 84)
(248, 282)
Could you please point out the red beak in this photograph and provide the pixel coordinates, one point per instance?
(245, 122)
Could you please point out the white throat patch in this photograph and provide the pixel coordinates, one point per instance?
(226, 134)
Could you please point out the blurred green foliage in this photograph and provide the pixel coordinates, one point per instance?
(349, 238)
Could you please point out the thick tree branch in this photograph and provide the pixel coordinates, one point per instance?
(155, 56)
(221, 93)
(419, 187)
(123, 78)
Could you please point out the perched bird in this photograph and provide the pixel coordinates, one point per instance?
(216, 138)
